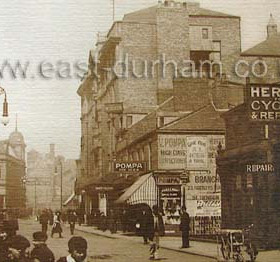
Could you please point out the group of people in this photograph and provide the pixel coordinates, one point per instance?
(55, 221)
(153, 227)
(16, 248)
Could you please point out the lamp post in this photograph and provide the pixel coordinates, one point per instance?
(35, 181)
(5, 119)
(61, 183)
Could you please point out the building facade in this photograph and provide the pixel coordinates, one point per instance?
(12, 170)
(43, 179)
(140, 51)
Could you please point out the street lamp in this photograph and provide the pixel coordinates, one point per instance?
(5, 119)
(61, 181)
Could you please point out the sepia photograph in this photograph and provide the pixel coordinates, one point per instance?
(140, 130)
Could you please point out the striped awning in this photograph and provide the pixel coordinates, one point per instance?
(144, 190)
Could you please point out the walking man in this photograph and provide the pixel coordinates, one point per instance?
(156, 229)
(185, 228)
(44, 220)
(72, 219)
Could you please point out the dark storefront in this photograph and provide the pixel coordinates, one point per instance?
(249, 173)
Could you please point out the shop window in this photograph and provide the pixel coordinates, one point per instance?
(238, 182)
(205, 33)
(249, 181)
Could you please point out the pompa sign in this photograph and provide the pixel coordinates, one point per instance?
(130, 166)
(264, 102)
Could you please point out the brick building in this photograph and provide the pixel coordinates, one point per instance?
(113, 101)
(176, 139)
(249, 173)
(12, 172)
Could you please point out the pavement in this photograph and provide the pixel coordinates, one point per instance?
(203, 249)
(103, 248)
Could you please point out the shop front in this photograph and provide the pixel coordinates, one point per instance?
(190, 179)
(170, 198)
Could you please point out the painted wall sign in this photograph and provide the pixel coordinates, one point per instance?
(203, 196)
(264, 101)
(188, 152)
(197, 156)
(260, 168)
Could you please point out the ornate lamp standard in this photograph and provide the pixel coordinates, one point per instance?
(5, 119)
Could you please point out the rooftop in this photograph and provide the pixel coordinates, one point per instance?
(148, 15)
(267, 48)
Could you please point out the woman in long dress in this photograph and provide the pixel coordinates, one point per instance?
(56, 228)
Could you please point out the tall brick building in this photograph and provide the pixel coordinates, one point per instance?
(113, 102)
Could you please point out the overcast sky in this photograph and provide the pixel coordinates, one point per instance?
(52, 30)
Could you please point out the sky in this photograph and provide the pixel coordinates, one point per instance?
(40, 32)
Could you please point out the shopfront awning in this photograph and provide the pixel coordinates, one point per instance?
(144, 190)
(70, 199)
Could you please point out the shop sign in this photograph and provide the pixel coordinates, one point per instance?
(260, 168)
(264, 102)
(129, 166)
(162, 180)
(183, 151)
(104, 188)
(170, 192)
(114, 108)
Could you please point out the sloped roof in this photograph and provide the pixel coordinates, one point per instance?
(270, 48)
(204, 119)
(208, 12)
(148, 15)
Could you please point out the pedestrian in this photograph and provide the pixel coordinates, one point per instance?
(144, 226)
(50, 214)
(56, 228)
(185, 228)
(4, 250)
(155, 229)
(77, 247)
(44, 220)
(112, 223)
(72, 219)
(40, 252)
(17, 248)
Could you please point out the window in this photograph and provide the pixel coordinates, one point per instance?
(249, 181)
(238, 182)
(128, 121)
(205, 33)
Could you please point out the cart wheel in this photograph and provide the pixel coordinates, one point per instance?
(238, 258)
(225, 251)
